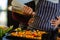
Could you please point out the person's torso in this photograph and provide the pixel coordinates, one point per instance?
(46, 10)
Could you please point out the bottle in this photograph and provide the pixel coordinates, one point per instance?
(17, 6)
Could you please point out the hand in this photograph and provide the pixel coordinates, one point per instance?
(55, 22)
(28, 10)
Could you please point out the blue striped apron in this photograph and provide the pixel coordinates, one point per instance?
(46, 11)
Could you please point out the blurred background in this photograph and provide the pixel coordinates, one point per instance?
(3, 12)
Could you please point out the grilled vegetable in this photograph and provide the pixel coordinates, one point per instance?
(4, 30)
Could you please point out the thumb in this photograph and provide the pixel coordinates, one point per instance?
(33, 14)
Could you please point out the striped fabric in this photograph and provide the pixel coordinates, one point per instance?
(46, 11)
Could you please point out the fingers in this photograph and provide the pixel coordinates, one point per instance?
(58, 17)
(33, 14)
(27, 10)
(54, 23)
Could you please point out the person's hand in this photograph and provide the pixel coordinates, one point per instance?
(28, 10)
(55, 22)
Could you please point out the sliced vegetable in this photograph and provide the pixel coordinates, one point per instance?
(10, 28)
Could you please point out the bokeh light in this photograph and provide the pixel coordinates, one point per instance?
(3, 18)
(3, 4)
